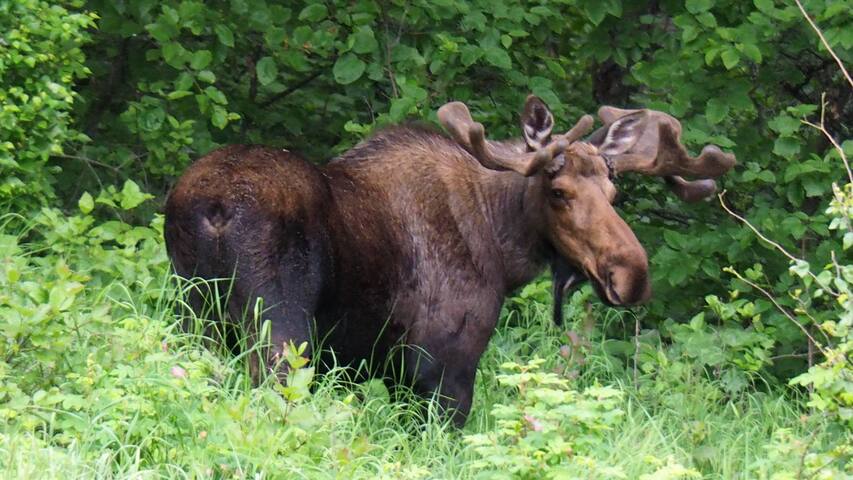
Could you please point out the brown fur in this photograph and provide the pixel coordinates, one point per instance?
(404, 240)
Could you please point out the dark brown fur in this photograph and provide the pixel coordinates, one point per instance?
(405, 239)
(413, 239)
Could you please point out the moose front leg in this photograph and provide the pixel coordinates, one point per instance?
(444, 357)
(451, 383)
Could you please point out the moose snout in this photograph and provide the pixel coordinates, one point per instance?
(626, 281)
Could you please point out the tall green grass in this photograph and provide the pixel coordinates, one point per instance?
(164, 401)
(105, 373)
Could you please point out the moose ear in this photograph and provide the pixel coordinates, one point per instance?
(536, 123)
(624, 133)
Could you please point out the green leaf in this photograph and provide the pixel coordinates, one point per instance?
(730, 58)
(206, 76)
(595, 10)
(267, 70)
(814, 187)
(201, 59)
(184, 81)
(224, 34)
(216, 95)
(175, 95)
(784, 124)
(152, 118)
(175, 54)
(765, 6)
(689, 33)
(716, 110)
(363, 40)
(710, 55)
(498, 57)
(614, 7)
(413, 90)
(132, 196)
(707, 19)
(313, 13)
(400, 108)
(620, 58)
(793, 226)
(786, 147)
(698, 6)
(348, 69)
(802, 109)
(162, 32)
(555, 68)
(469, 54)
(752, 52)
(766, 176)
(219, 118)
(86, 203)
(673, 239)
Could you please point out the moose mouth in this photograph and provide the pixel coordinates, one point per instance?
(567, 278)
(573, 278)
(605, 291)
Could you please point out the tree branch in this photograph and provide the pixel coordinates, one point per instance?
(293, 88)
(771, 242)
(825, 43)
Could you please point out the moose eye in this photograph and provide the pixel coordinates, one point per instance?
(559, 195)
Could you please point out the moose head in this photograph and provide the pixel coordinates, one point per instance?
(577, 186)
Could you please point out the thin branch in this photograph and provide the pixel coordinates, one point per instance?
(789, 355)
(804, 311)
(778, 307)
(636, 346)
(822, 128)
(672, 217)
(806, 447)
(293, 88)
(89, 161)
(825, 43)
(771, 242)
(251, 68)
(388, 47)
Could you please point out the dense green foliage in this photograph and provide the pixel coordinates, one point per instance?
(40, 59)
(102, 101)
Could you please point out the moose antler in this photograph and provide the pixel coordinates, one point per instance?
(457, 120)
(648, 141)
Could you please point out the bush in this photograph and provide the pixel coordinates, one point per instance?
(551, 430)
(41, 57)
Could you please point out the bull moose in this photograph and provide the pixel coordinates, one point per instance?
(414, 238)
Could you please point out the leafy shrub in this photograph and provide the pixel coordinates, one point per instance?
(550, 429)
(41, 57)
(44, 317)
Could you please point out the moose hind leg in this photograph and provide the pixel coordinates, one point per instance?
(290, 289)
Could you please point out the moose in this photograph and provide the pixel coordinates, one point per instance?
(407, 244)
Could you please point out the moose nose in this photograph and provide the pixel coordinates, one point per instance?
(628, 283)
